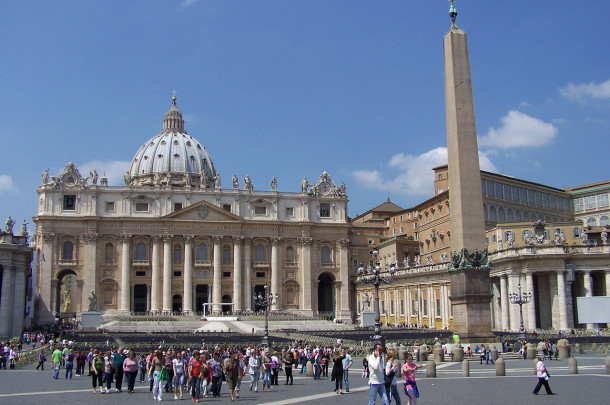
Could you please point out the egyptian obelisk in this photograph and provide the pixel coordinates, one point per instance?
(470, 283)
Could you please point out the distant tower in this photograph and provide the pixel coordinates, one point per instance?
(470, 283)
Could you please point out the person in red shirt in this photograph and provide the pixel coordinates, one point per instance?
(195, 369)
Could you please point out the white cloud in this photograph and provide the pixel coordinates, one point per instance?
(579, 92)
(6, 183)
(519, 130)
(415, 175)
(114, 170)
(186, 3)
(524, 104)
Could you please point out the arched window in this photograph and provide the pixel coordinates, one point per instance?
(109, 252)
(226, 254)
(517, 216)
(202, 251)
(289, 254)
(325, 255)
(604, 221)
(141, 253)
(590, 222)
(509, 215)
(177, 254)
(501, 215)
(259, 255)
(68, 251)
(493, 216)
(526, 216)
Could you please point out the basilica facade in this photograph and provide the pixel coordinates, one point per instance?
(173, 240)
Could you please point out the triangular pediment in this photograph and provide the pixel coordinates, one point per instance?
(203, 211)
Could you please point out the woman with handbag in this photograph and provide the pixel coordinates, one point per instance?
(391, 369)
(155, 368)
(543, 377)
(408, 370)
(336, 374)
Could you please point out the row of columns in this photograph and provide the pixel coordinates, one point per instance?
(12, 302)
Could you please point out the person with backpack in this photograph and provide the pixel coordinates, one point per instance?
(41, 360)
(195, 371)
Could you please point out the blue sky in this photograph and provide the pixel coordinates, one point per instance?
(294, 88)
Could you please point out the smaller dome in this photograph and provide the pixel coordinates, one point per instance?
(172, 158)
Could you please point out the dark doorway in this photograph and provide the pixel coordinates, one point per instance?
(226, 308)
(177, 303)
(140, 293)
(326, 298)
(201, 297)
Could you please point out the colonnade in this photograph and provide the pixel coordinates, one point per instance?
(12, 301)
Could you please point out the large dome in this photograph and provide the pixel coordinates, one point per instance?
(172, 158)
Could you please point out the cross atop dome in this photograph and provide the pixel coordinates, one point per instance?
(173, 121)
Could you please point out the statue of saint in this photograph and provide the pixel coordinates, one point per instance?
(217, 181)
(273, 184)
(9, 225)
(45, 176)
(92, 302)
(247, 183)
(203, 179)
(304, 185)
(67, 302)
(94, 177)
(366, 302)
(24, 229)
(127, 178)
(235, 182)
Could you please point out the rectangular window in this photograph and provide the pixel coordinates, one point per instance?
(602, 200)
(483, 188)
(493, 238)
(401, 217)
(508, 195)
(109, 206)
(508, 234)
(394, 220)
(414, 225)
(177, 273)
(515, 191)
(553, 202)
(226, 207)
(324, 210)
(530, 197)
(415, 236)
(260, 274)
(355, 263)
(523, 195)
(226, 274)
(499, 190)
(578, 204)
(142, 207)
(491, 188)
(566, 205)
(524, 234)
(546, 202)
(538, 198)
(402, 229)
(394, 232)
(69, 202)
(289, 212)
(590, 202)
(177, 206)
(576, 232)
(140, 273)
(260, 210)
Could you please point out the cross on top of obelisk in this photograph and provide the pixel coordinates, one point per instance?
(452, 12)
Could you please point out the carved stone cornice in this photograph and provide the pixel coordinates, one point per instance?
(217, 239)
(344, 243)
(305, 241)
(123, 238)
(90, 237)
(156, 238)
(188, 238)
(247, 239)
(276, 240)
(48, 237)
(237, 240)
(168, 238)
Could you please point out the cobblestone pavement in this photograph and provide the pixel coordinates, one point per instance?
(590, 386)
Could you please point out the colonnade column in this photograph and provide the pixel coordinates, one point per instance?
(607, 283)
(6, 303)
(276, 283)
(19, 300)
(125, 273)
(344, 312)
(45, 311)
(514, 318)
(531, 307)
(247, 302)
(237, 273)
(306, 284)
(187, 304)
(155, 306)
(167, 274)
(90, 269)
(588, 284)
(217, 278)
(504, 302)
(561, 292)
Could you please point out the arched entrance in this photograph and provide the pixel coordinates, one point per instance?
(140, 295)
(258, 290)
(177, 303)
(226, 308)
(326, 295)
(65, 294)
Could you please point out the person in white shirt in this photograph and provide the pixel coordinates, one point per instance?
(376, 376)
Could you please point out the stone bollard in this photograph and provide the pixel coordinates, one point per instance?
(564, 349)
(402, 352)
(608, 365)
(494, 353)
(439, 354)
(423, 353)
(531, 351)
(573, 365)
(309, 370)
(465, 368)
(579, 349)
(500, 368)
(431, 369)
(458, 354)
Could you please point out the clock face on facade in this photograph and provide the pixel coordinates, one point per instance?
(325, 188)
(70, 180)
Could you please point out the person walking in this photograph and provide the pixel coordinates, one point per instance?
(376, 376)
(543, 377)
(56, 356)
(130, 368)
(97, 371)
(178, 366)
(391, 369)
(255, 369)
(195, 372)
(266, 361)
(109, 366)
(408, 370)
(69, 361)
(488, 355)
(288, 361)
(154, 368)
(119, 358)
(41, 360)
(347, 363)
(336, 374)
(231, 369)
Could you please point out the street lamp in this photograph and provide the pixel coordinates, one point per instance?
(520, 299)
(372, 275)
(266, 301)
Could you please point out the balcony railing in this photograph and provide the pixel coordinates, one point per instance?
(203, 263)
(258, 264)
(140, 263)
(71, 262)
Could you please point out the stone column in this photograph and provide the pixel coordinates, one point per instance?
(407, 306)
(276, 273)
(247, 301)
(561, 292)
(125, 273)
(45, 310)
(504, 302)
(167, 274)
(155, 305)
(306, 285)
(237, 274)
(187, 304)
(513, 281)
(90, 270)
(19, 300)
(217, 278)
(531, 307)
(588, 284)
(344, 311)
(6, 303)
(607, 283)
